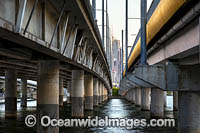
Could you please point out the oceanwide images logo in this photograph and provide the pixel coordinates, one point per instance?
(46, 121)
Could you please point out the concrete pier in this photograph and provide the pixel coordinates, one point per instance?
(88, 82)
(24, 92)
(77, 92)
(145, 99)
(10, 93)
(47, 93)
(61, 90)
(157, 102)
(69, 87)
(100, 92)
(138, 96)
(165, 99)
(95, 92)
(133, 95)
(175, 100)
(188, 112)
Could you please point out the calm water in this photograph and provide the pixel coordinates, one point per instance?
(114, 108)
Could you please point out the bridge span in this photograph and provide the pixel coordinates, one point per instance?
(57, 44)
(173, 60)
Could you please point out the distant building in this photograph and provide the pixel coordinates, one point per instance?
(116, 62)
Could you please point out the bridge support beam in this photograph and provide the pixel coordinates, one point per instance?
(96, 92)
(88, 82)
(145, 99)
(61, 91)
(24, 92)
(138, 96)
(10, 93)
(77, 92)
(175, 100)
(157, 102)
(48, 93)
(189, 112)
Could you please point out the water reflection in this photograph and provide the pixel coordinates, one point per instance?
(114, 108)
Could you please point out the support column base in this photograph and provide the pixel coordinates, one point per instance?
(51, 110)
(10, 107)
(60, 100)
(88, 102)
(77, 107)
(95, 100)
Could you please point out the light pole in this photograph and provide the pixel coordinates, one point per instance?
(122, 52)
(126, 34)
(143, 32)
(103, 23)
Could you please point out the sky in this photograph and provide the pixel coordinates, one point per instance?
(116, 11)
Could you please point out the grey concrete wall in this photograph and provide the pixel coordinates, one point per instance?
(6, 13)
(51, 20)
(36, 20)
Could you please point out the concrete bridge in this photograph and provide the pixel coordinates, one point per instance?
(57, 44)
(173, 60)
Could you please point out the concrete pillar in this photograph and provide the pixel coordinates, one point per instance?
(133, 95)
(188, 112)
(24, 92)
(77, 93)
(69, 87)
(175, 100)
(130, 96)
(105, 94)
(126, 96)
(145, 99)
(157, 102)
(96, 92)
(10, 93)
(138, 96)
(88, 82)
(61, 91)
(165, 99)
(47, 93)
(100, 92)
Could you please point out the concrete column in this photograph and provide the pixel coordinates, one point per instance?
(96, 92)
(61, 91)
(157, 102)
(10, 93)
(126, 96)
(24, 92)
(133, 95)
(102, 89)
(77, 93)
(103, 93)
(106, 90)
(188, 112)
(47, 93)
(130, 96)
(138, 96)
(100, 92)
(69, 87)
(175, 100)
(88, 82)
(165, 99)
(145, 99)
